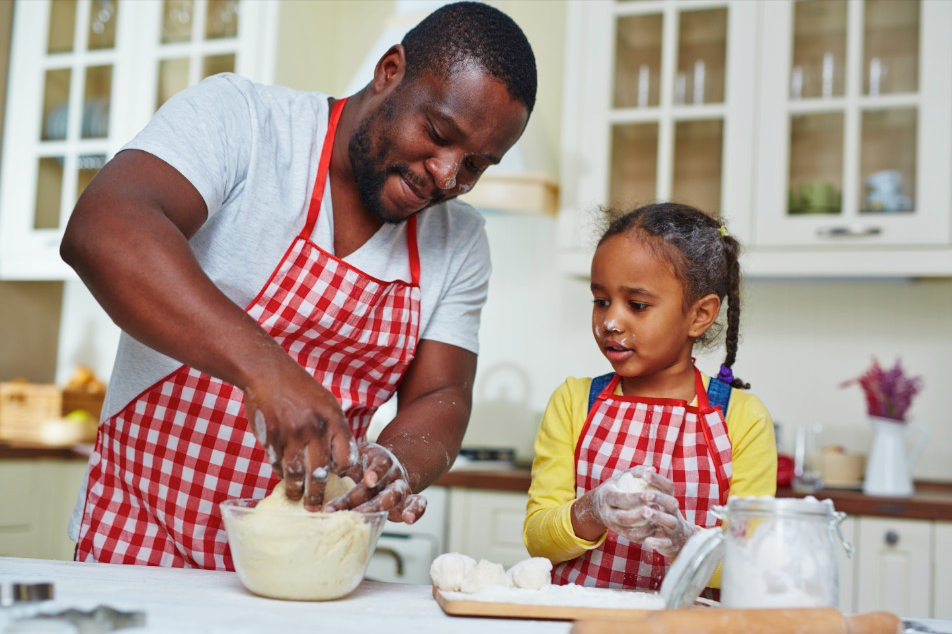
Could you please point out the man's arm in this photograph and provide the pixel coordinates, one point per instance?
(128, 241)
(435, 400)
(422, 441)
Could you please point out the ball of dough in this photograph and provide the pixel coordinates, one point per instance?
(630, 483)
(534, 573)
(447, 571)
(278, 498)
(487, 575)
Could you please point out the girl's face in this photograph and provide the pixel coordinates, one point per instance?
(638, 318)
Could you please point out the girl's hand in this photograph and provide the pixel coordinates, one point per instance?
(381, 486)
(615, 505)
(666, 530)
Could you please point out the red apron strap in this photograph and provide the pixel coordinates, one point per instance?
(323, 166)
(700, 392)
(414, 251)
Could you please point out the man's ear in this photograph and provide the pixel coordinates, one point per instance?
(390, 69)
(703, 313)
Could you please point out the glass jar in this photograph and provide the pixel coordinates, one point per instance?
(776, 553)
(780, 552)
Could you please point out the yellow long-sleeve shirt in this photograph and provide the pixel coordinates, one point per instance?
(547, 530)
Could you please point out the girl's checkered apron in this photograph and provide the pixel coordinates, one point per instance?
(163, 464)
(688, 445)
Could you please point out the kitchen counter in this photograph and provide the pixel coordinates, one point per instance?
(932, 500)
(13, 451)
(185, 601)
(211, 602)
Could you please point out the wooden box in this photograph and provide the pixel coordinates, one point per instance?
(24, 407)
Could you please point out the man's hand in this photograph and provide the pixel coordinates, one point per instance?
(302, 429)
(381, 486)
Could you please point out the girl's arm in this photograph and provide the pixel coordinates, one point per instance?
(547, 530)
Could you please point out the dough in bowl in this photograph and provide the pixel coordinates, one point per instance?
(283, 551)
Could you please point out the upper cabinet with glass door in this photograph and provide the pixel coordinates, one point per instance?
(85, 76)
(855, 138)
(658, 104)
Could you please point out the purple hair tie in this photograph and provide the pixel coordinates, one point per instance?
(725, 375)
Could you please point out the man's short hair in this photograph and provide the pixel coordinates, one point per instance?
(465, 32)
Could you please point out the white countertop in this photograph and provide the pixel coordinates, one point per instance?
(187, 601)
(203, 601)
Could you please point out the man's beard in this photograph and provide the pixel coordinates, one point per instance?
(364, 160)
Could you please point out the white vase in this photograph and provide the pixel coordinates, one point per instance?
(889, 467)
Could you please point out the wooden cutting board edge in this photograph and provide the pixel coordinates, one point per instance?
(462, 607)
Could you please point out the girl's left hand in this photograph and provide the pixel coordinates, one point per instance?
(667, 530)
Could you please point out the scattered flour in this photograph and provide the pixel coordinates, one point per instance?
(569, 595)
(283, 551)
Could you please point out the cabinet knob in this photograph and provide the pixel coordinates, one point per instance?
(848, 231)
(892, 537)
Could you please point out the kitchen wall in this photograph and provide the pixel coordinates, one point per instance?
(800, 338)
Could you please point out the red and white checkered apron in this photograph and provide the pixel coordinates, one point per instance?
(688, 445)
(163, 464)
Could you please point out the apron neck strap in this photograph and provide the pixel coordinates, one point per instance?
(322, 168)
(700, 392)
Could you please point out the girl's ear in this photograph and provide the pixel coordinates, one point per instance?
(703, 314)
(390, 69)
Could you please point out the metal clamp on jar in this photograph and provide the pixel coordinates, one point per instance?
(777, 553)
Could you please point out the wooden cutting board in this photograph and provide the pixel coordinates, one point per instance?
(469, 607)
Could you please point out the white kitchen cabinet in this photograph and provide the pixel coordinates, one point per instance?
(942, 579)
(85, 76)
(894, 566)
(36, 502)
(854, 142)
(487, 524)
(658, 104)
(777, 116)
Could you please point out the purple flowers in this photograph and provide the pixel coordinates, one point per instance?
(888, 392)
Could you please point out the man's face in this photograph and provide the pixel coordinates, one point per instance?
(430, 139)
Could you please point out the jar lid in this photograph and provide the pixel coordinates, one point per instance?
(688, 575)
(781, 506)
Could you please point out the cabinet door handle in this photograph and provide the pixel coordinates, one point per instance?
(892, 537)
(848, 231)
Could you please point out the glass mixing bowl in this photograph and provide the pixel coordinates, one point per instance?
(297, 554)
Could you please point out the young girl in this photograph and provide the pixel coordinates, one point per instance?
(659, 276)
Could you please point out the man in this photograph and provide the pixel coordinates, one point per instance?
(332, 224)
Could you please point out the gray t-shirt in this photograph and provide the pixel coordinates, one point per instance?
(252, 152)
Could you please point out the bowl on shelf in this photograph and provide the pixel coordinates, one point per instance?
(294, 554)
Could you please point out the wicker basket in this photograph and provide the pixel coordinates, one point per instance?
(25, 406)
(74, 400)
